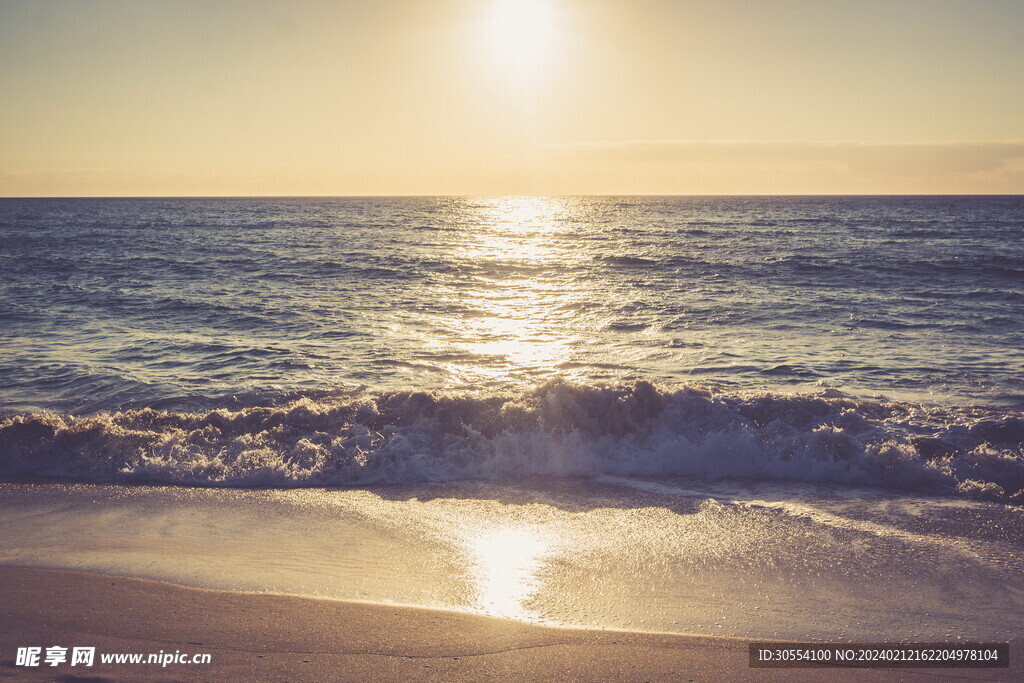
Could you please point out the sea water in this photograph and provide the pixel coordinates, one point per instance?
(786, 417)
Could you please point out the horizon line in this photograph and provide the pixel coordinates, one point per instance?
(485, 195)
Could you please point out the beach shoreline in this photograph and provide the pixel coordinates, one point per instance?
(281, 637)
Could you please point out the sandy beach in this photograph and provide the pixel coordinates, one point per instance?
(274, 637)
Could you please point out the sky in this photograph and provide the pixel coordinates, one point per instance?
(494, 97)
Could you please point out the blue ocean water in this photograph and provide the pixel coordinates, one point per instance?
(310, 341)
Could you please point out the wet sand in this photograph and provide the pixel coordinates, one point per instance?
(275, 637)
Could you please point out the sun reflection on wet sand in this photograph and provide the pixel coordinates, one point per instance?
(504, 564)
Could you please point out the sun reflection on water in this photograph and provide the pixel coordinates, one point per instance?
(520, 326)
(504, 564)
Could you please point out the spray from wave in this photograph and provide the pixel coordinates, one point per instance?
(558, 429)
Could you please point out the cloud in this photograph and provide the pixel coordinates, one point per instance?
(747, 167)
(625, 167)
(901, 159)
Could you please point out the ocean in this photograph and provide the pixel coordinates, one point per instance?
(686, 414)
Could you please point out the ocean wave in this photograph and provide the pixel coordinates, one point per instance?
(558, 429)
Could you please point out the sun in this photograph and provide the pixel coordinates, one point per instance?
(521, 34)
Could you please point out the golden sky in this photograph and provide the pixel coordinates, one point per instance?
(411, 97)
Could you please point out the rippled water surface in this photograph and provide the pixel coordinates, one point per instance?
(115, 303)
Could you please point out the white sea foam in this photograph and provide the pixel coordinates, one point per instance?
(557, 429)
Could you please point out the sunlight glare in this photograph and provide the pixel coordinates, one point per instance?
(520, 329)
(506, 560)
(521, 34)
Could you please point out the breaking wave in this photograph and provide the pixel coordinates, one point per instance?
(558, 429)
